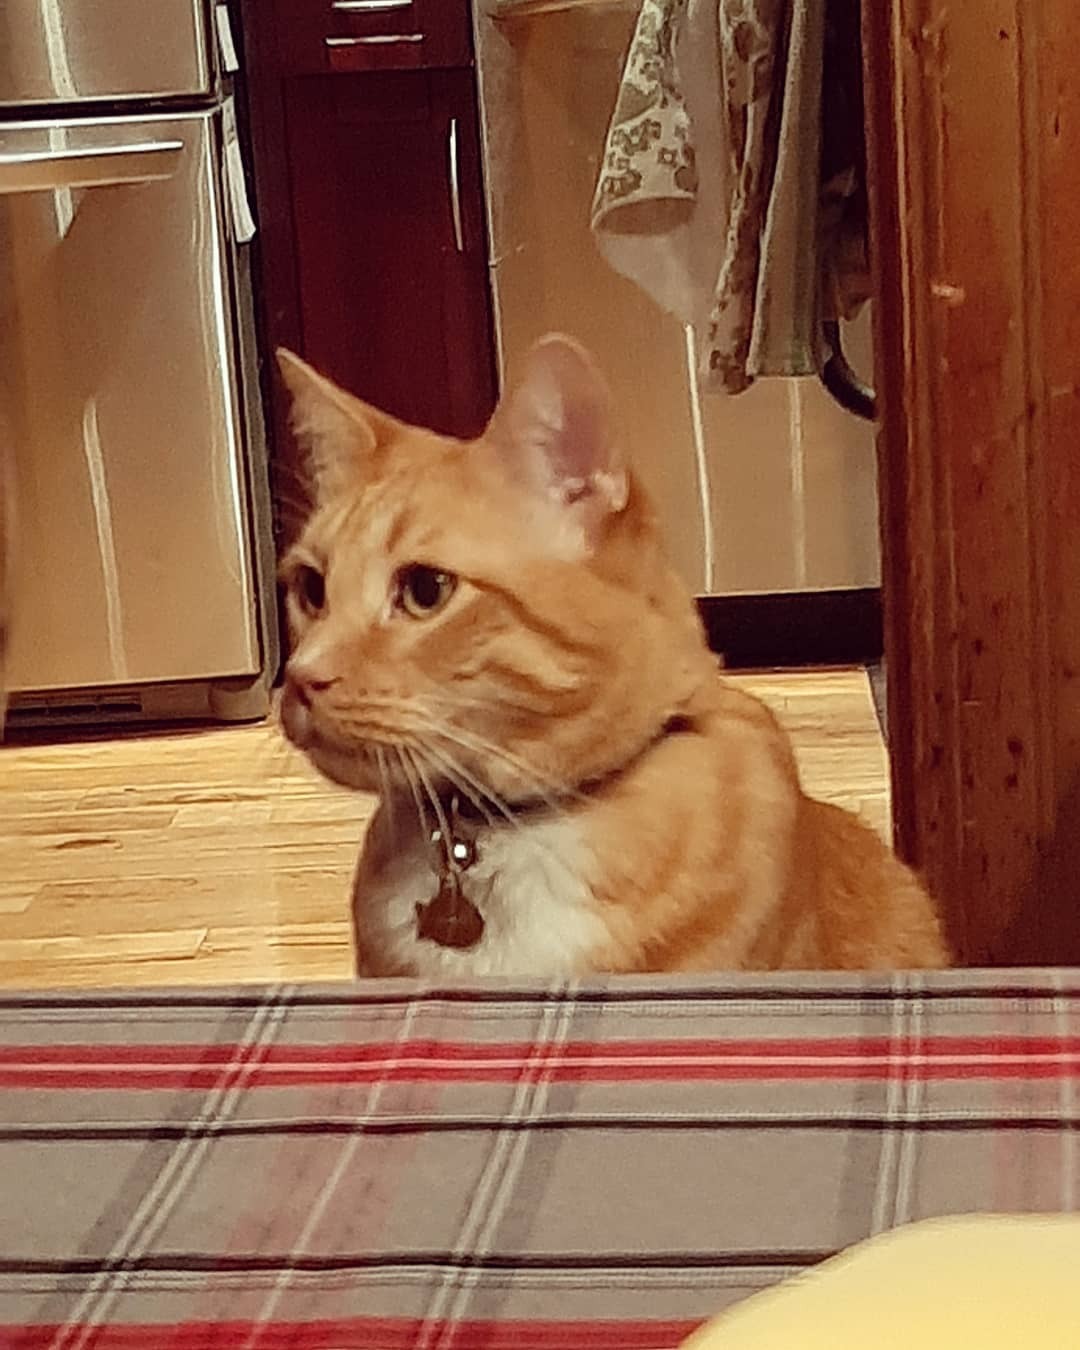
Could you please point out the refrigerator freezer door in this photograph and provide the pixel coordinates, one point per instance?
(54, 51)
(118, 389)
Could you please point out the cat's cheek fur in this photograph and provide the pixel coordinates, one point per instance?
(532, 884)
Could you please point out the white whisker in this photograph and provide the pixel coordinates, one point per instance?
(405, 760)
(386, 794)
(416, 717)
(466, 783)
(448, 767)
(490, 704)
(431, 794)
(546, 785)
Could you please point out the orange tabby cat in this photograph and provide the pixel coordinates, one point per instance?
(490, 635)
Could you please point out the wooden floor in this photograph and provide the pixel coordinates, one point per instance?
(217, 856)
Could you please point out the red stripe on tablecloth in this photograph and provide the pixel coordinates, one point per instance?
(366, 1333)
(381, 1053)
(127, 1066)
(200, 1080)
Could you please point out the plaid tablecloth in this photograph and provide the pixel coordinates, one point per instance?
(390, 1167)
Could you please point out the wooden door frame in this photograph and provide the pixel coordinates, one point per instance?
(974, 133)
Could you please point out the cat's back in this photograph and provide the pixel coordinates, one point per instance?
(873, 911)
(847, 902)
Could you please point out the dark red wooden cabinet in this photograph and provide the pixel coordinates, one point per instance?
(365, 134)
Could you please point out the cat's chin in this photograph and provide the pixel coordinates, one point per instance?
(350, 769)
(348, 766)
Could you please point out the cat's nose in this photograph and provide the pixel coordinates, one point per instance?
(304, 679)
(307, 678)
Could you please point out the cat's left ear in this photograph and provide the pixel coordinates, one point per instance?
(554, 431)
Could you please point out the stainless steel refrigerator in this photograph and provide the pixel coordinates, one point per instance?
(773, 490)
(127, 368)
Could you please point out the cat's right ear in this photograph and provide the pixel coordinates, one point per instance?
(337, 432)
(554, 431)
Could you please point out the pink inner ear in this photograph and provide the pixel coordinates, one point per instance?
(556, 426)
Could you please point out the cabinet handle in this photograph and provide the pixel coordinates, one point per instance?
(525, 9)
(368, 6)
(455, 185)
(374, 40)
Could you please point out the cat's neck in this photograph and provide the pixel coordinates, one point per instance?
(476, 810)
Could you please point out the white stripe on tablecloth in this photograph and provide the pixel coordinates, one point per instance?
(914, 1092)
(885, 1187)
(1067, 1103)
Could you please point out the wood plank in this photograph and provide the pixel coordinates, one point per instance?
(170, 945)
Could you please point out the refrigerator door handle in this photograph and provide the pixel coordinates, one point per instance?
(100, 166)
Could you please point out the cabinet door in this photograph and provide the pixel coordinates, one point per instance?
(391, 260)
(372, 238)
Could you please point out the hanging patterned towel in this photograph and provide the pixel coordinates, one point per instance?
(733, 185)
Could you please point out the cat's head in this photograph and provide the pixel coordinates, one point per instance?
(496, 615)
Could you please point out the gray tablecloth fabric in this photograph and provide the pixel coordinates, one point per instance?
(387, 1167)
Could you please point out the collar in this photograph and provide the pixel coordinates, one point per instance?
(478, 811)
(450, 919)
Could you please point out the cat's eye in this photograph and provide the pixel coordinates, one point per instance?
(423, 591)
(310, 587)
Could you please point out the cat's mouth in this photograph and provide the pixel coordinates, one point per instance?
(353, 764)
(296, 718)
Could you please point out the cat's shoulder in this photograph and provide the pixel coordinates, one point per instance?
(732, 715)
(732, 701)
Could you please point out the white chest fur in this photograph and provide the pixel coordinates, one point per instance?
(530, 883)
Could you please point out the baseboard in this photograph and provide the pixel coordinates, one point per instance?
(799, 628)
